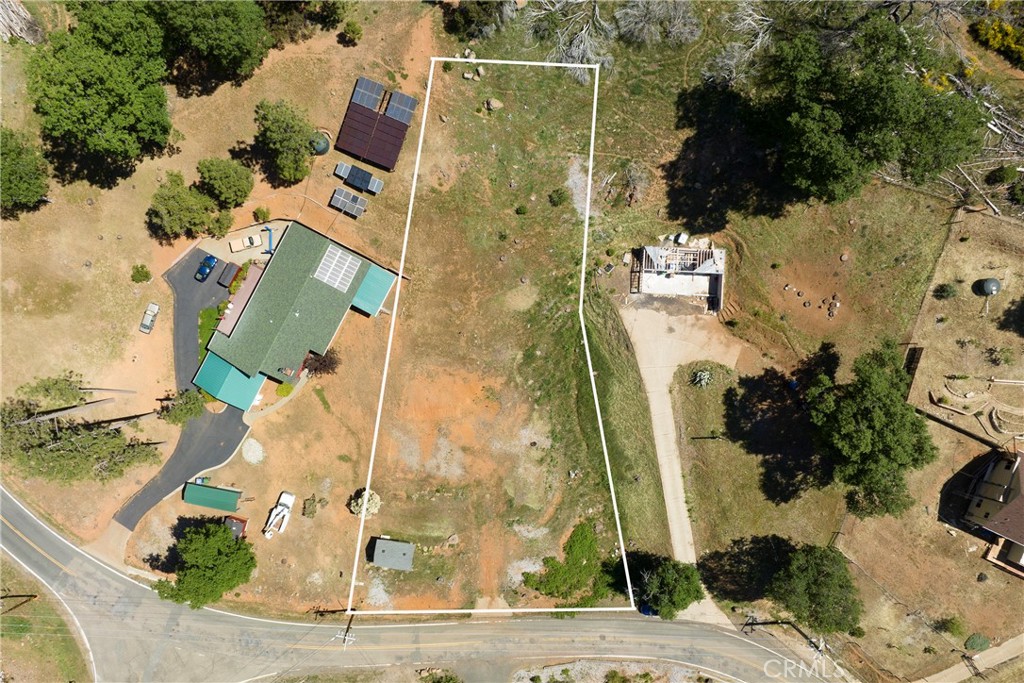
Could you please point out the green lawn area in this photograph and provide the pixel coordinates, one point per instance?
(38, 644)
(208, 318)
(723, 482)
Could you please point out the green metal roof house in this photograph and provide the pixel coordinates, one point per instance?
(211, 497)
(300, 302)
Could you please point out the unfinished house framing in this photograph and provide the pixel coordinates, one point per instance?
(697, 273)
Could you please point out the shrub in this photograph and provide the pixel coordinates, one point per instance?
(999, 356)
(327, 364)
(1002, 175)
(953, 625)
(371, 499)
(857, 632)
(261, 214)
(1016, 193)
(947, 290)
(140, 273)
(178, 210)
(285, 389)
(1002, 37)
(447, 66)
(352, 33)
(701, 378)
(309, 506)
(558, 196)
(521, 210)
(977, 642)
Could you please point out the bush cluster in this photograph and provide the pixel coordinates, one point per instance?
(1002, 37)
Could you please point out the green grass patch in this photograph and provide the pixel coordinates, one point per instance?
(320, 394)
(723, 482)
(208, 318)
(36, 635)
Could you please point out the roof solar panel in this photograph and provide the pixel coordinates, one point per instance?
(401, 107)
(368, 93)
(337, 268)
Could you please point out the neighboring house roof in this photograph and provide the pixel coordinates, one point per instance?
(996, 502)
(224, 382)
(391, 554)
(374, 290)
(211, 497)
(294, 309)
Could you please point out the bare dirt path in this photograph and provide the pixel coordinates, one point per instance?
(666, 335)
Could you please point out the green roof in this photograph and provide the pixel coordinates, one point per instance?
(211, 497)
(224, 382)
(375, 289)
(291, 312)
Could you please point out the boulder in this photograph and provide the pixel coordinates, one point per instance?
(493, 104)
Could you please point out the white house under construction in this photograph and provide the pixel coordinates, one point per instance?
(697, 272)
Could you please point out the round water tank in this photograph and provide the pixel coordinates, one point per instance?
(991, 286)
(320, 143)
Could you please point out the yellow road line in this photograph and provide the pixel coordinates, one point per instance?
(38, 549)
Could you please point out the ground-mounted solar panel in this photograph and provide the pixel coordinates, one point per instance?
(337, 268)
(368, 93)
(401, 107)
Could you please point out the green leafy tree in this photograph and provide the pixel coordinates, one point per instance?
(838, 111)
(283, 134)
(25, 179)
(95, 103)
(472, 18)
(127, 31)
(871, 434)
(672, 587)
(227, 40)
(140, 273)
(212, 562)
(178, 210)
(817, 588)
(186, 406)
(226, 181)
(330, 13)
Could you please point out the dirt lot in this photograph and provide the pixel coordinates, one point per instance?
(962, 344)
(471, 462)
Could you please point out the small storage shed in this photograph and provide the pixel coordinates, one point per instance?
(211, 497)
(391, 554)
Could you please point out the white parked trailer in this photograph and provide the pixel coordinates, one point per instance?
(278, 519)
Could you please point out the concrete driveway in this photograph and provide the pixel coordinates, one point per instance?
(211, 440)
(190, 297)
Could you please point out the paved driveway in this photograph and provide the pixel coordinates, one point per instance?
(189, 298)
(210, 440)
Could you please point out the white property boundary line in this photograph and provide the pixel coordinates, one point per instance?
(586, 345)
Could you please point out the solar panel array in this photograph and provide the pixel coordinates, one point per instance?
(337, 268)
(368, 93)
(400, 107)
(346, 202)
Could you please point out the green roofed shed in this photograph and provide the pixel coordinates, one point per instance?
(297, 307)
(226, 383)
(375, 289)
(211, 497)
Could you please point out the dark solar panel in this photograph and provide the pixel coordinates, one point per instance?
(368, 93)
(359, 178)
(400, 107)
(373, 137)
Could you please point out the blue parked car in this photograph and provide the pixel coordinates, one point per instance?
(205, 268)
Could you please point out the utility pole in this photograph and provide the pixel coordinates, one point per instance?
(6, 595)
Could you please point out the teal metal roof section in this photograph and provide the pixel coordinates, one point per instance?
(226, 383)
(375, 289)
(292, 311)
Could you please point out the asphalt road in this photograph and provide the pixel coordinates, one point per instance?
(210, 440)
(134, 636)
(190, 297)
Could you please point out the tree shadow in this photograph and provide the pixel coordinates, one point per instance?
(767, 415)
(743, 571)
(720, 166)
(1012, 319)
(70, 164)
(641, 565)
(256, 157)
(170, 561)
